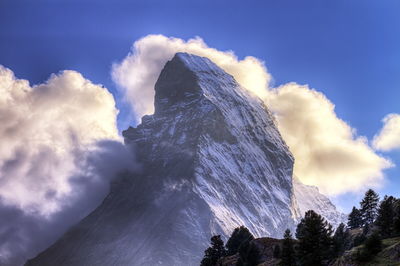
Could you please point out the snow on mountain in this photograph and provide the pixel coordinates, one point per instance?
(309, 198)
(212, 160)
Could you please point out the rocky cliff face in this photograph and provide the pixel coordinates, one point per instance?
(309, 198)
(212, 160)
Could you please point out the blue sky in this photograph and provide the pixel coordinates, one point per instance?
(349, 50)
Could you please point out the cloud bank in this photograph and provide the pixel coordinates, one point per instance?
(42, 126)
(327, 151)
(389, 137)
(59, 149)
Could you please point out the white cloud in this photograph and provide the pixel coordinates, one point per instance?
(327, 151)
(59, 149)
(44, 129)
(389, 137)
(137, 74)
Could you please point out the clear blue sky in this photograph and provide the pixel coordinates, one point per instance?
(349, 50)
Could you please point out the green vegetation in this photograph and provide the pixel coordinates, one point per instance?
(214, 252)
(239, 236)
(388, 256)
(249, 254)
(372, 237)
(315, 241)
(341, 240)
(288, 256)
(355, 219)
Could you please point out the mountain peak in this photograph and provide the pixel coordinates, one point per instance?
(181, 78)
(176, 83)
(198, 63)
(212, 160)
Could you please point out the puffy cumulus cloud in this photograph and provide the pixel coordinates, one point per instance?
(327, 151)
(42, 126)
(389, 137)
(137, 74)
(59, 149)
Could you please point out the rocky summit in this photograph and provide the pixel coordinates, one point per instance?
(212, 159)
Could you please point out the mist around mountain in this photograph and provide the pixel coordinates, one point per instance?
(212, 159)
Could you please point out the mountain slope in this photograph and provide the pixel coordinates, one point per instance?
(388, 256)
(212, 160)
(309, 198)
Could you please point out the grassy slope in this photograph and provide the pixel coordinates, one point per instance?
(389, 256)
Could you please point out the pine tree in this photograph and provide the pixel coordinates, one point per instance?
(372, 246)
(314, 236)
(253, 255)
(243, 249)
(249, 254)
(355, 219)
(288, 253)
(396, 222)
(369, 207)
(240, 235)
(214, 252)
(386, 214)
(359, 239)
(341, 240)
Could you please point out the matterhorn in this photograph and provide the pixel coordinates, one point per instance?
(211, 158)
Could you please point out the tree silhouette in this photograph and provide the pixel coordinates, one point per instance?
(341, 240)
(386, 214)
(214, 252)
(240, 235)
(249, 254)
(396, 222)
(314, 236)
(355, 219)
(288, 253)
(369, 207)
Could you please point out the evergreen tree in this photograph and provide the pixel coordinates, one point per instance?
(249, 254)
(355, 219)
(396, 220)
(253, 255)
(358, 240)
(214, 252)
(314, 236)
(341, 240)
(369, 207)
(288, 253)
(243, 249)
(240, 235)
(372, 246)
(386, 214)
